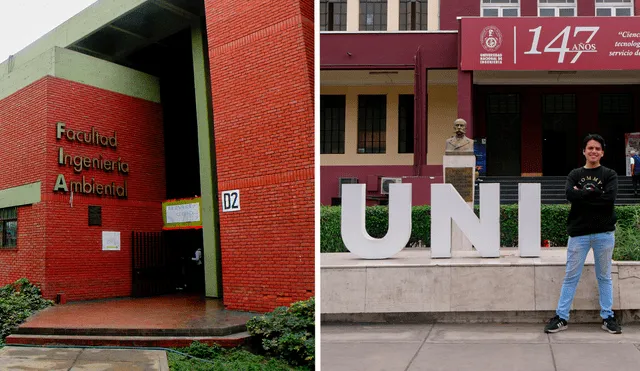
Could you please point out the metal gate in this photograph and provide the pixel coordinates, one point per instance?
(151, 264)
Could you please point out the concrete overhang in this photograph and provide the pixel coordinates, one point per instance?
(388, 50)
(112, 30)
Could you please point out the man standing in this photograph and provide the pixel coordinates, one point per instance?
(635, 170)
(592, 190)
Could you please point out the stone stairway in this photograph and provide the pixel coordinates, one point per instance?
(552, 189)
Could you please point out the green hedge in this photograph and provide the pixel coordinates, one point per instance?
(287, 333)
(553, 228)
(18, 301)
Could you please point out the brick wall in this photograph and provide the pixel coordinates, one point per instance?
(74, 250)
(74, 260)
(261, 57)
(22, 117)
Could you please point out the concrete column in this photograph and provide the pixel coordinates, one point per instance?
(393, 15)
(433, 15)
(353, 15)
(208, 179)
(419, 115)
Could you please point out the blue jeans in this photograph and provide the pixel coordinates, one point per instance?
(577, 249)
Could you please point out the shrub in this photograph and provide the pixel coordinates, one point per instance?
(18, 301)
(553, 227)
(287, 333)
(235, 359)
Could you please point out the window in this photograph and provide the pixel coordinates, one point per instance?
(8, 227)
(405, 124)
(413, 15)
(559, 103)
(557, 8)
(500, 8)
(372, 123)
(616, 8)
(332, 116)
(333, 15)
(373, 15)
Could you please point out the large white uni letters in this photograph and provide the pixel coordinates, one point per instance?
(447, 206)
(352, 223)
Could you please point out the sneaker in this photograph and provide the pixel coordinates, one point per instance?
(556, 324)
(611, 326)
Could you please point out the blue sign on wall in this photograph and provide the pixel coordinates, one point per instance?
(480, 150)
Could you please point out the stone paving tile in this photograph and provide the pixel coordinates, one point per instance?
(482, 333)
(367, 357)
(596, 357)
(477, 357)
(39, 353)
(48, 359)
(32, 364)
(375, 333)
(592, 333)
(114, 366)
(120, 355)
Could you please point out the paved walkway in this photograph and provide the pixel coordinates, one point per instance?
(476, 347)
(76, 359)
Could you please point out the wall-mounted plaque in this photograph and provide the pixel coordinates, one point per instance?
(462, 180)
(95, 215)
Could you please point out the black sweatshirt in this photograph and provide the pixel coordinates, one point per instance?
(592, 208)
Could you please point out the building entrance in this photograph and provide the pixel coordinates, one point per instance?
(559, 134)
(503, 132)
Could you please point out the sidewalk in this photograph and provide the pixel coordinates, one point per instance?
(77, 359)
(471, 347)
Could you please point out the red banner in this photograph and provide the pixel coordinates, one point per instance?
(550, 43)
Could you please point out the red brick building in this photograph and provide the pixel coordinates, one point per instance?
(395, 74)
(126, 107)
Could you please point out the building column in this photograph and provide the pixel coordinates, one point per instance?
(419, 115)
(393, 15)
(465, 99)
(206, 149)
(353, 15)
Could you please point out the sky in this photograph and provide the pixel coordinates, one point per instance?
(24, 21)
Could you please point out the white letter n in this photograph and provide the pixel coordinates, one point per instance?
(447, 206)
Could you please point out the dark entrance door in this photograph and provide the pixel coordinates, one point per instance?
(503, 134)
(615, 118)
(560, 148)
(151, 264)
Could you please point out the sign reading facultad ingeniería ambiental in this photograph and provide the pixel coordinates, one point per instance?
(83, 163)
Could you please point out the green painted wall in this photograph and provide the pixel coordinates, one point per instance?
(208, 181)
(22, 195)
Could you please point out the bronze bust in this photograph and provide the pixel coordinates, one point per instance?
(459, 143)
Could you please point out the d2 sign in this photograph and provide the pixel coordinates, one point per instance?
(447, 207)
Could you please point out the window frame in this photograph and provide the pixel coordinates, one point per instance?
(614, 6)
(328, 15)
(406, 123)
(557, 6)
(383, 26)
(3, 226)
(378, 124)
(419, 17)
(500, 6)
(327, 103)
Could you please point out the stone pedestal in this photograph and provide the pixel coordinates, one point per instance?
(459, 170)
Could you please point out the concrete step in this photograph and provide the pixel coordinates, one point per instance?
(228, 341)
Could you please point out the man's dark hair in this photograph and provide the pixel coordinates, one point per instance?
(596, 137)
